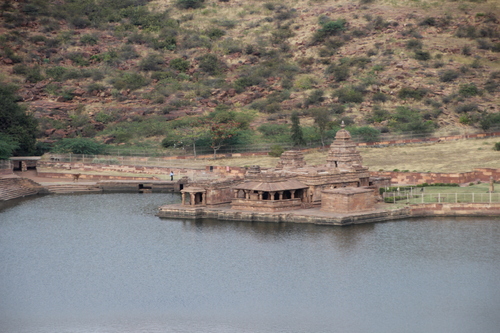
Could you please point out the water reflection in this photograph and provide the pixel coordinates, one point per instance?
(105, 263)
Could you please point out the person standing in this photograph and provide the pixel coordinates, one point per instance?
(171, 175)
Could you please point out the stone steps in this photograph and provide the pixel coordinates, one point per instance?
(73, 188)
(12, 188)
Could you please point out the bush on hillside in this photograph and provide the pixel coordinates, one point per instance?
(348, 95)
(468, 90)
(187, 4)
(448, 76)
(78, 146)
(415, 93)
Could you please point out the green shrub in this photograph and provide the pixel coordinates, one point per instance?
(78, 59)
(448, 76)
(89, 39)
(20, 69)
(179, 64)
(130, 81)
(466, 31)
(95, 87)
(379, 97)
(414, 44)
(410, 120)
(210, 64)
(429, 21)
(466, 108)
(186, 4)
(230, 46)
(315, 97)
(490, 120)
(468, 90)
(152, 62)
(34, 74)
(273, 130)
(276, 151)
(56, 73)
(329, 28)
(465, 119)
(340, 73)
(79, 22)
(378, 115)
(348, 95)
(415, 93)
(337, 108)
(496, 146)
(247, 81)
(305, 82)
(379, 23)
(366, 134)
(422, 55)
(78, 146)
(214, 33)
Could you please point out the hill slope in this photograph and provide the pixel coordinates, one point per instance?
(122, 70)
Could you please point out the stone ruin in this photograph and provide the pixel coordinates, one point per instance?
(341, 185)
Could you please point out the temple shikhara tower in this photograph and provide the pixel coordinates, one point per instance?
(341, 185)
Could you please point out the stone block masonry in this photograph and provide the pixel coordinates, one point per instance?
(415, 178)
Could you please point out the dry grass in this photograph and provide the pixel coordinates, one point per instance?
(455, 156)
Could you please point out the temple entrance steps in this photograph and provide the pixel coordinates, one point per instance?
(73, 188)
(12, 188)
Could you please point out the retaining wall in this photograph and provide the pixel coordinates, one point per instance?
(455, 209)
(415, 178)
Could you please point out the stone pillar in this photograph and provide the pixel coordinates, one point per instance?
(272, 195)
(247, 194)
(260, 195)
(183, 198)
(191, 196)
(293, 194)
(235, 192)
(281, 195)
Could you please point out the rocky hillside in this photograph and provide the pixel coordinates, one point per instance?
(121, 71)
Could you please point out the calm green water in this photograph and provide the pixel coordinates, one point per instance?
(105, 263)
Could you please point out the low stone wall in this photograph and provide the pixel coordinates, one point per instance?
(415, 178)
(78, 167)
(84, 177)
(455, 209)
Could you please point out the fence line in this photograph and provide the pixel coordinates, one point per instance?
(417, 197)
(266, 147)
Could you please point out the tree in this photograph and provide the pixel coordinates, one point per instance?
(297, 135)
(7, 146)
(84, 146)
(187, 133)
(18, 128)
(220, 132)
(322, 121)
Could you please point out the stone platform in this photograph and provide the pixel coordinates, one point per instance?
(311, 215)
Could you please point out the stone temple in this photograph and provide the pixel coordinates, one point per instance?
(341, 185)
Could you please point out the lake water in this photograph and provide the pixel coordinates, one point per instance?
(105, 263)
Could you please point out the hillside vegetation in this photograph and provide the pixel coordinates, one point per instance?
(211, 73)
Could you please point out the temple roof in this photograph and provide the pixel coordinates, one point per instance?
(290, 184)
